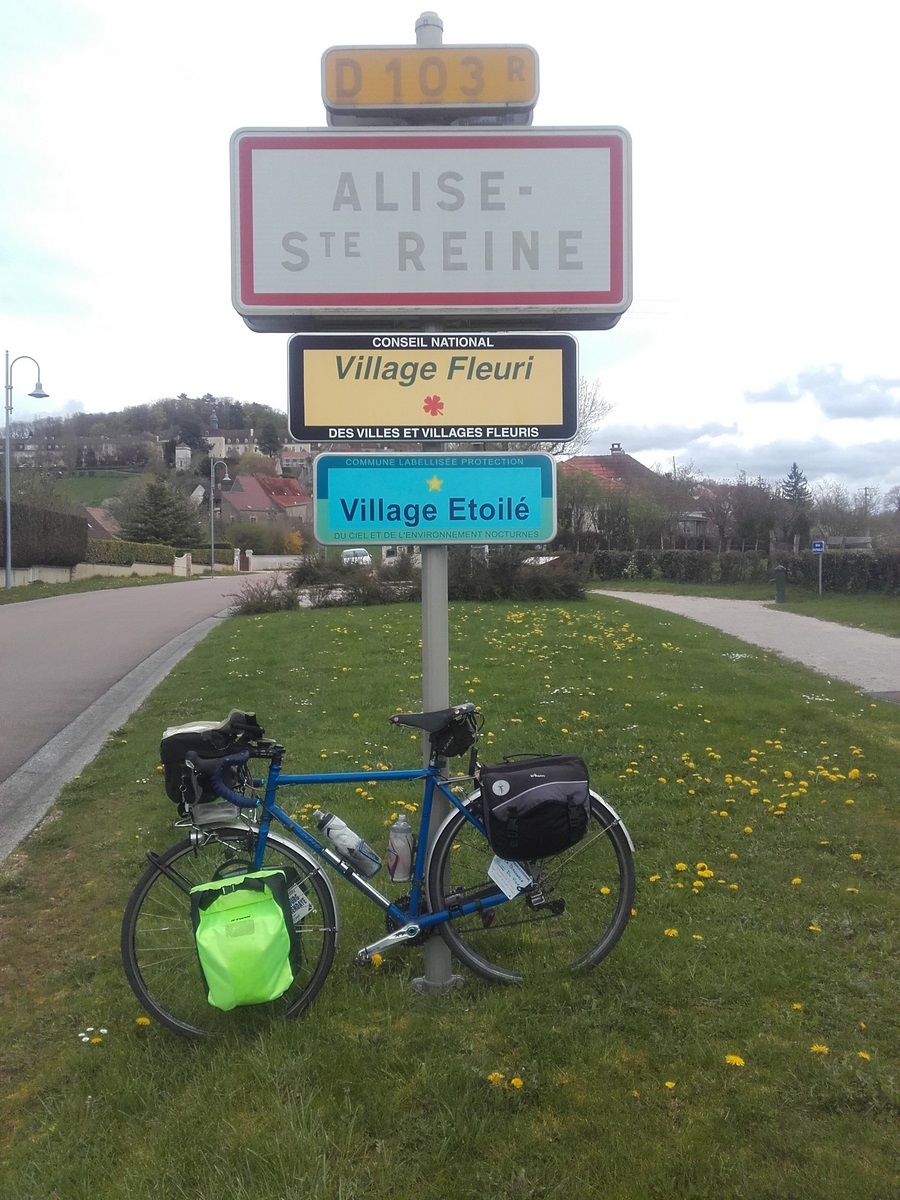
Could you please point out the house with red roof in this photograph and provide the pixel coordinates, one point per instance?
(262, 497)
(624, 476)
(616, 470)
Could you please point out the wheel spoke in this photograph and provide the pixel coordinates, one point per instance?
(570, 918)
(158, 948)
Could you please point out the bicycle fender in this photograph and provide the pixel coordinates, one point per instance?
(616, 819)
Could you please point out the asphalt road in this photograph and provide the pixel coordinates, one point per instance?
(73, 668)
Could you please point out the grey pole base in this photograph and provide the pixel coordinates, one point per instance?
(432, 987)
(438, 977)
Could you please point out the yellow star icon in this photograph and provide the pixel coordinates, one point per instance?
(434, 484)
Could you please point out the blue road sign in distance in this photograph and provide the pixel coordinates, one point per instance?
(428, 499)
(818, 547)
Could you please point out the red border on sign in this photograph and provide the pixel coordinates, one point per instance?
(444, 300)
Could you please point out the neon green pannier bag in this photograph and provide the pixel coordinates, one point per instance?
(248, 948)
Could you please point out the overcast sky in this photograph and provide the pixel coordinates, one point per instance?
(764, 328)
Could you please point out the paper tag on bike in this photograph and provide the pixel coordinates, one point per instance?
(301, 905)
(510, 877)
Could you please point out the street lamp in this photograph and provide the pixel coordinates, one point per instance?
(39, 394)
(226, 478)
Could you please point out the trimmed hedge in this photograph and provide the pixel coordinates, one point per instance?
(39, 536)
(116, 553)
(842, 570)
(846, 571)
(200, 555)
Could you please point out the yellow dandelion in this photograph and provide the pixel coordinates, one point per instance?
(516, 1082)
(670, 1083)
(856, 857)
(671, 932)
(797, 1006)
(734, 1060)
(496, 1078)
(864, 1054)
(796, 880)
(815, 928)
(377, 960)
(817, 1048)
(142, 1021)
(681, 866)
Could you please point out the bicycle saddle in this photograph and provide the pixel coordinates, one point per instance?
(431, 722)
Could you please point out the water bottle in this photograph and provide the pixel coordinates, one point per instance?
(401, 850)
(349, 844)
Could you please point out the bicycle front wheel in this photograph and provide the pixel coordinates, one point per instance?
(159, 953)
(570, 918)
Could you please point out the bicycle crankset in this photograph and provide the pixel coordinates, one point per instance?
(391, 925)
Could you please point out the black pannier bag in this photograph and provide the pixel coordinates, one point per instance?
(535, 807)
(209, 739)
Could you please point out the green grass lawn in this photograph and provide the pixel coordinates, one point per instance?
(741, 1041)
(94, 490)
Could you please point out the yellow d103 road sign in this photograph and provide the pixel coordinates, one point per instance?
(394, 79)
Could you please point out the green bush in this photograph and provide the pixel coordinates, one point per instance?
(266, 593)
(116, 553)
(505, 574)
(611, 564)
(315, 570)
(224, 554)
(686, 566)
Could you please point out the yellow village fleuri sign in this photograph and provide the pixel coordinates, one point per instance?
(469, 387)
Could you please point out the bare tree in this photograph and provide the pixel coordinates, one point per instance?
(592, 408)
(832, 508)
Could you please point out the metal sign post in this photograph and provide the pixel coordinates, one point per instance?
(403, 245)
(818, 548)
(439, 976)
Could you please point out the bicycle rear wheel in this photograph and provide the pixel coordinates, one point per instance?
(159, 953)
(571, 917)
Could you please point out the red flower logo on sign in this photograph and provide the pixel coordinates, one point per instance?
(433, 405)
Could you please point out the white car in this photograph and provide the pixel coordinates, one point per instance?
(356, 557)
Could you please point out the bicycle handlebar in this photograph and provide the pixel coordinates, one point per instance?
(212, 768)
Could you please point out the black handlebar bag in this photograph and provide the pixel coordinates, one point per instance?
(535, 807)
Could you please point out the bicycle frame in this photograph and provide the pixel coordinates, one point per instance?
(411, 921)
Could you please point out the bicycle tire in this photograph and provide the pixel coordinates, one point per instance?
(159, 953)
(524, 937)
